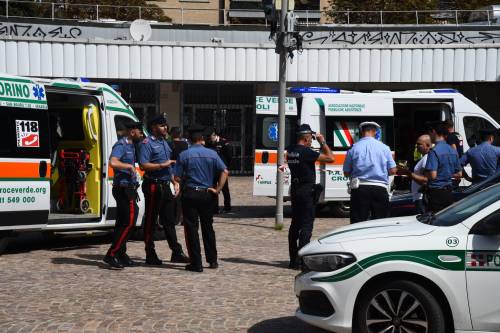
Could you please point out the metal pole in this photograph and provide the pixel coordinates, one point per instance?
(7, 8)
(140, 12)
(97, 11)
(53, 10)
(278, 224)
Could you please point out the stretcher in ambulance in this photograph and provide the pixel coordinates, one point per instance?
(338, 113)
(54, 146)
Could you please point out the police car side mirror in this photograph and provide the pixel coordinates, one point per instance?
(489, 226)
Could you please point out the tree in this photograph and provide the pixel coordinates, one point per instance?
(337, 11)
(86, 9)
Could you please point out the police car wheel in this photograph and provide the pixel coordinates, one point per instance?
(398, 306)
(84, 206)
(340, 209)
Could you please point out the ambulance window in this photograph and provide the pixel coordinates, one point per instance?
(472, 127)
(267, 132)
(343, 132)
(25, 133)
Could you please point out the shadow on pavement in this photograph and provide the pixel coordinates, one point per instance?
(284, 324)
(96, 260)
(252, 212)
(32, 241)
(279, 264)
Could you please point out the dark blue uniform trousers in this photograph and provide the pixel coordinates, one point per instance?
(127, 210)
(303, 212)
(197, 207)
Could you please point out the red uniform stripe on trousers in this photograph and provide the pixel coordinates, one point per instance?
(149, 220)
(186, 237)
(127, 229)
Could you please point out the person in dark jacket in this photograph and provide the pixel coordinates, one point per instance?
(223, 149)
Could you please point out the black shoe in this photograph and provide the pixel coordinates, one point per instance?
(152, 259)
(125, 260)
(294, 265)
(214, 265)
(113, 262)
(194, 268)
(180, 258)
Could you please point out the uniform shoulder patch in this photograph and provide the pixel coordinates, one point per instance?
(146, 140)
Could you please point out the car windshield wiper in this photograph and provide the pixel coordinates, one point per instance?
(426, 218)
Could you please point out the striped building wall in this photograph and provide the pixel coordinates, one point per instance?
(248, 62)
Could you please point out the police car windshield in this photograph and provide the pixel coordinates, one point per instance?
(463, 209)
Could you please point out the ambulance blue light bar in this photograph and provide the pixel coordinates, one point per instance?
(445, 91)
(322, 90)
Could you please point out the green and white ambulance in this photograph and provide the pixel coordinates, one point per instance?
(40, 118)
(338, 113)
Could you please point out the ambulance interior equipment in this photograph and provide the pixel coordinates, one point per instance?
(74, 123)
(73, 168)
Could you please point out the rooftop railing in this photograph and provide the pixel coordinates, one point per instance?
(183, 16)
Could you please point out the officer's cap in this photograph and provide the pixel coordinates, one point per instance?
(305, 129)
(199, 129)
(487, 132)
(159, 120)
(134, 125)
(368, 124)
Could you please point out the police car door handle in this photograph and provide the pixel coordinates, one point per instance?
(449, 258)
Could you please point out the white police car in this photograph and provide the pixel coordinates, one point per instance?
(440, 274)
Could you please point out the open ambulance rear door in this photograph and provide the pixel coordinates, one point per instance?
(24, 154)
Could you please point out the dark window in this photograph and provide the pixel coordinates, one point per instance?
(465, 208)
(120, 122)
(472, 127)
(267, 131)
(343, 132)
(25, 133)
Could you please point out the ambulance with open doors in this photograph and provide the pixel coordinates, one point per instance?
(337, 114)
(48, 126)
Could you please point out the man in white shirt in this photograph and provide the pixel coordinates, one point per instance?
(417, 176)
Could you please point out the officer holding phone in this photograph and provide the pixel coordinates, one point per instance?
(301, 160)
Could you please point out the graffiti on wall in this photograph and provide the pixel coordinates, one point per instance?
(401, 37)
(33, 30)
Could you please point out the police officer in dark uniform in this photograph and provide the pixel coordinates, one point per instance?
(122, 160)
(160, 189)
(196, 169)
(301, 160)
(441, 168)
(454, 139)
(483, 158)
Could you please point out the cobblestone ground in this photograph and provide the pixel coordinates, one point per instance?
(61, 285)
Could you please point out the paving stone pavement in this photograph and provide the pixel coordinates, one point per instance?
(61, 285)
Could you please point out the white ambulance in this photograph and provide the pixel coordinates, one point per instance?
(40, 119)
(337, 113)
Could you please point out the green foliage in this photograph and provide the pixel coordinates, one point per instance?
(337, 11)
(77, 9)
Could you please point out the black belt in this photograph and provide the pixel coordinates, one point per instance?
(448, 187)
(156, 180)
(197, 188)
(297, 181)
(125, 186)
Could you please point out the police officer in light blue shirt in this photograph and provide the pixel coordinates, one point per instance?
(196, 168)
(441, 168)
(160, 189)
(484, 158)
(369, 164)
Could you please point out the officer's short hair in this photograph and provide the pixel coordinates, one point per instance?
(441, 129)
(175, 132)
